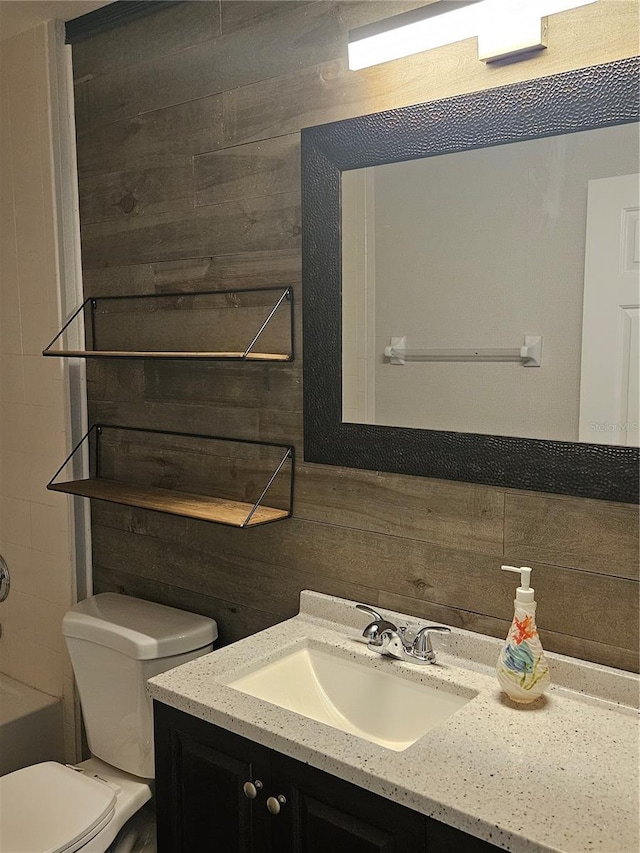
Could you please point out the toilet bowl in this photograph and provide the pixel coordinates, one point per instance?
(116, 643)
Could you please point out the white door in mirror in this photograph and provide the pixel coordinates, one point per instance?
(609, 382)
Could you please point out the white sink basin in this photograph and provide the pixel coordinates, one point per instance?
(351, 696)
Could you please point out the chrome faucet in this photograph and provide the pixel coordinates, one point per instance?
(385, 638)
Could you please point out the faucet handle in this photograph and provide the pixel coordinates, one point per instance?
(374, 633)
(422, 647)
(370, 611)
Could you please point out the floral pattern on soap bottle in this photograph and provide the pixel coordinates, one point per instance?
(523, 671)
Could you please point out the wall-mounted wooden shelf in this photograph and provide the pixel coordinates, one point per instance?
(229, 478)
(228, 325)
(224, 356)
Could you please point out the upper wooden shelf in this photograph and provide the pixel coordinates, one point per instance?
(227, 481)
(226, 325)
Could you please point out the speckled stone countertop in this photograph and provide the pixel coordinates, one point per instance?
(558, 775)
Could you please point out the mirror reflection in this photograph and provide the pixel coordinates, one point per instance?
(457, 261)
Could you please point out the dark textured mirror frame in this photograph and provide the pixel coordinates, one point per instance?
(588, 98)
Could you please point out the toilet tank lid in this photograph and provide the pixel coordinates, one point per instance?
(140, 629)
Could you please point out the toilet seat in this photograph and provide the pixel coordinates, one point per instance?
(51, 808)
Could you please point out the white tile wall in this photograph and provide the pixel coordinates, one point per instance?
(35, 526)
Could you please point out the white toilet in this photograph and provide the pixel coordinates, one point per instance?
(116, 643)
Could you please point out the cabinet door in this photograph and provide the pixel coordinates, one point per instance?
(200, 774)
(445, 839)
(327, 815)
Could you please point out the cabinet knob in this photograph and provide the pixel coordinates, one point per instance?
(274, 803)
(251, 789)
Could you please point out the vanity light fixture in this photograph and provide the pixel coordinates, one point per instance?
(504, 28)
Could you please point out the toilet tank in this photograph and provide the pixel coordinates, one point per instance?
(116, 643)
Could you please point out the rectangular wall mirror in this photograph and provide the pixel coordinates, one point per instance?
(471, 277)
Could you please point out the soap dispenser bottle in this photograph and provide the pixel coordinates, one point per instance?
(522, 668)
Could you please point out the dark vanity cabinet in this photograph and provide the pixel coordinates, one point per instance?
(200, 774)
(218, 791)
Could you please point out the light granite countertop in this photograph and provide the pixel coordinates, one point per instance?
(558, 775)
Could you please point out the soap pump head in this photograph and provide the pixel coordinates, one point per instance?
(524, 593)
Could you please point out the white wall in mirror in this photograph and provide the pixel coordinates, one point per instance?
(473, 250)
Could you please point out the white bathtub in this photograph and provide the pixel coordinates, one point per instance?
(30, 726)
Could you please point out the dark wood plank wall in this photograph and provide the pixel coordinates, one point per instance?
(188, 149)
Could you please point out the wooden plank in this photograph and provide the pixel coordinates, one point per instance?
(260, 168)
(223, 325)
(241, 421)
(330, 92)
(152, 139)
(327, 92)
(438, 511)
(234, 471)
(601, 652)
(207, 508)
(235, 422)
(241, 581)
(284, 105)
(238, 325)
(595, 535)
(251, 386)
(443, 575)
(234, 622)
(187, 62)
(279, 266)
(112, 379)
(274, 424)
(244, 269)
(162, 82)
(442, 614)
(267, 223)
(142, 522)
(163, 32)
(563, 644)
(358, 13)
(223, 541)
(119, 195)
(231, 301)
(314, 33)
(241, 13)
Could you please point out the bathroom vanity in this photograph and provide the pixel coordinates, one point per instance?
(252, 752)
(213, 784)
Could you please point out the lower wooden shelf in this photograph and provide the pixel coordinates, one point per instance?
(226, 481)
(177, 354)
(234, 513)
